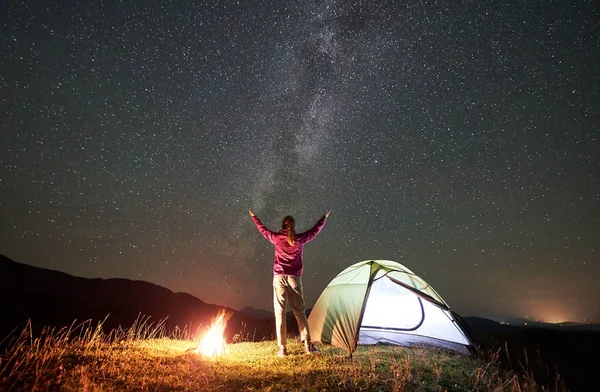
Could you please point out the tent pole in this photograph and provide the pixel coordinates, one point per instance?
(364, 305)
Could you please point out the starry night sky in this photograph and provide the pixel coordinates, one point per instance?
(460, 139)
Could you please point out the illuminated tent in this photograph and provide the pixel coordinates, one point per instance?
(381, 301)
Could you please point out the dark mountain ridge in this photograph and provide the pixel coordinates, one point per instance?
(258, 313)
(53, 298)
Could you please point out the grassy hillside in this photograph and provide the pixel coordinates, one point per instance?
(142, 358)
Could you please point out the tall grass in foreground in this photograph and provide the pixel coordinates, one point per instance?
(146, 358)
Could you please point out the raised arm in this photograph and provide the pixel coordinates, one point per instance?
(312, 233)
(268, 234)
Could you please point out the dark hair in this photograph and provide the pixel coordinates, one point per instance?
(289, 224)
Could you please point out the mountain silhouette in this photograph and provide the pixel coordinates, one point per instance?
(51, 298)
(258, 313)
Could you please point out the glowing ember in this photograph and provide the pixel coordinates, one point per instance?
(213, 343)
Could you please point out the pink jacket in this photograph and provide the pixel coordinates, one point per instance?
(288, 258)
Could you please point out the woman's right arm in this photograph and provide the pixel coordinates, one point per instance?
(312, 233)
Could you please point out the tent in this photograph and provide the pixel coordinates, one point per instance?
(381, 301)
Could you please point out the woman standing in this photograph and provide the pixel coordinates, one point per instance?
(287, 276)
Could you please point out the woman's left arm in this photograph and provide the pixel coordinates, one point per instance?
(268, 234)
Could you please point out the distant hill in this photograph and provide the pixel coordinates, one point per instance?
(257, 313)
(566, 325)
(483, 325)
(578, 326)
(53, 298)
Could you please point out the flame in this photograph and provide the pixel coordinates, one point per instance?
(213, 343)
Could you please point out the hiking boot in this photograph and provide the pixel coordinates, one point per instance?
(282, 352)
(309, 348)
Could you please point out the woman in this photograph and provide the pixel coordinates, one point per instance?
(287, 273)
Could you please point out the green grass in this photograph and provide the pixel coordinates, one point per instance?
(144, 358)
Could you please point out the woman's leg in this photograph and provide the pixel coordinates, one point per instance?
(296, 299)
(279, 305)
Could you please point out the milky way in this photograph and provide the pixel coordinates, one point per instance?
(460, 139)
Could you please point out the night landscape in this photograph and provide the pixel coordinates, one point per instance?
(459, 139)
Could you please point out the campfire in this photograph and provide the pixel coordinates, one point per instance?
(213, 343)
